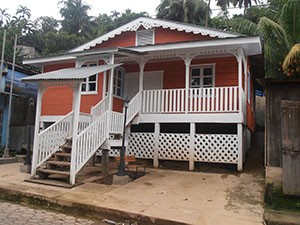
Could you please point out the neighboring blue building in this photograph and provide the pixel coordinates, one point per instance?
(22, 92)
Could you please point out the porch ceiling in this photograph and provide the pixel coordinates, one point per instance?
(70, 74)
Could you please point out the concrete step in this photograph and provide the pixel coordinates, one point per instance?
(62, 154)
(47, 171)
(59, 163)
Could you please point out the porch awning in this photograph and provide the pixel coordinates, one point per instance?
(69, 74)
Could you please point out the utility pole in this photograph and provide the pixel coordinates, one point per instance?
(2, 55)
(6, 150)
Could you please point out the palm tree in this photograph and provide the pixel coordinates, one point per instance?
(75, 17)
(281, 38)
(189, 11)
(23, 12)
(4, 16)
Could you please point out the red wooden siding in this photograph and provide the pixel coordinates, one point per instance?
(58, 100)
(170, 36)
(125, 39)
(128, 39)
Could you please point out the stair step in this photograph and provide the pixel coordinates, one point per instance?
(47, 171)
(62, 154)
(59, 163)
(65, 147)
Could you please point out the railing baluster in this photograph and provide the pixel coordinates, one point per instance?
(159, 101)
(230, 98)
(167, 101)
(235, 99)
(226, 99)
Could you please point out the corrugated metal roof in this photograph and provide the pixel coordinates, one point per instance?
(78, 73)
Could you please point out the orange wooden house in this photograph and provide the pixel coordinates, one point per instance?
(190, 90)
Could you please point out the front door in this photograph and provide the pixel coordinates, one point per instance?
(290, 135)
(153, 80)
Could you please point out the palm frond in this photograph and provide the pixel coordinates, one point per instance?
(243, 26)
(275, 39)
(292, 57)
(290, 19)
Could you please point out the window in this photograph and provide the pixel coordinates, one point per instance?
(144, 37)
(89, 85)
(118, 82)
(202, 76)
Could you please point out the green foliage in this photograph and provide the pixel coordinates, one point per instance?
(279, 28)
(189, 11)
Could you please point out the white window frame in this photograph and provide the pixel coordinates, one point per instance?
(87, 80)
(138, 32)
(202, 76)
(121, 87)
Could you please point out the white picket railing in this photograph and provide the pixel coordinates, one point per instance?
(89, 140)
(194, 100)
(116, 122)
(52, 137)
(100, 108)
(134, 107)
(84, 121)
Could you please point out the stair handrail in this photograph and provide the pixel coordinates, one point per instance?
(89, 141)
(51, 138)
(85, 120)
(134, 107)
(101, 107)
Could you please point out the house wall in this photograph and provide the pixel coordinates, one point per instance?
(127, 39)
(174, 77)
(54, 104)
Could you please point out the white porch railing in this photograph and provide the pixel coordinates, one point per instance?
(194, 100)
(116, 124)
(88, 141)
(100, 108)
(52, 137)
(134, 107)
(84, 121)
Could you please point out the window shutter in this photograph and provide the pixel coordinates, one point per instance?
(145, 37)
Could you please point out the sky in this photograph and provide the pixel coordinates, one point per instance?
(49, 7)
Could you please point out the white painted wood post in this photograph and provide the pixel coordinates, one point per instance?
(141, 77)
(104, 84)
(187, 82)
(240, 146)
(76, 111)
(156, 145)
(110, 95)
(239, 60)
(41, 91)
(192, 147)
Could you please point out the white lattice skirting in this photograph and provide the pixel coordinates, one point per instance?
(220, 148)
(174, 146)
(112, 152)
(141, 145)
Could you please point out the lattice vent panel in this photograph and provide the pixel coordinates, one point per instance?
(222, 148)
(112, 152)
(174, 146)
(141, 145)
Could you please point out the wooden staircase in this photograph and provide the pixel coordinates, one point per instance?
(58, 165)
